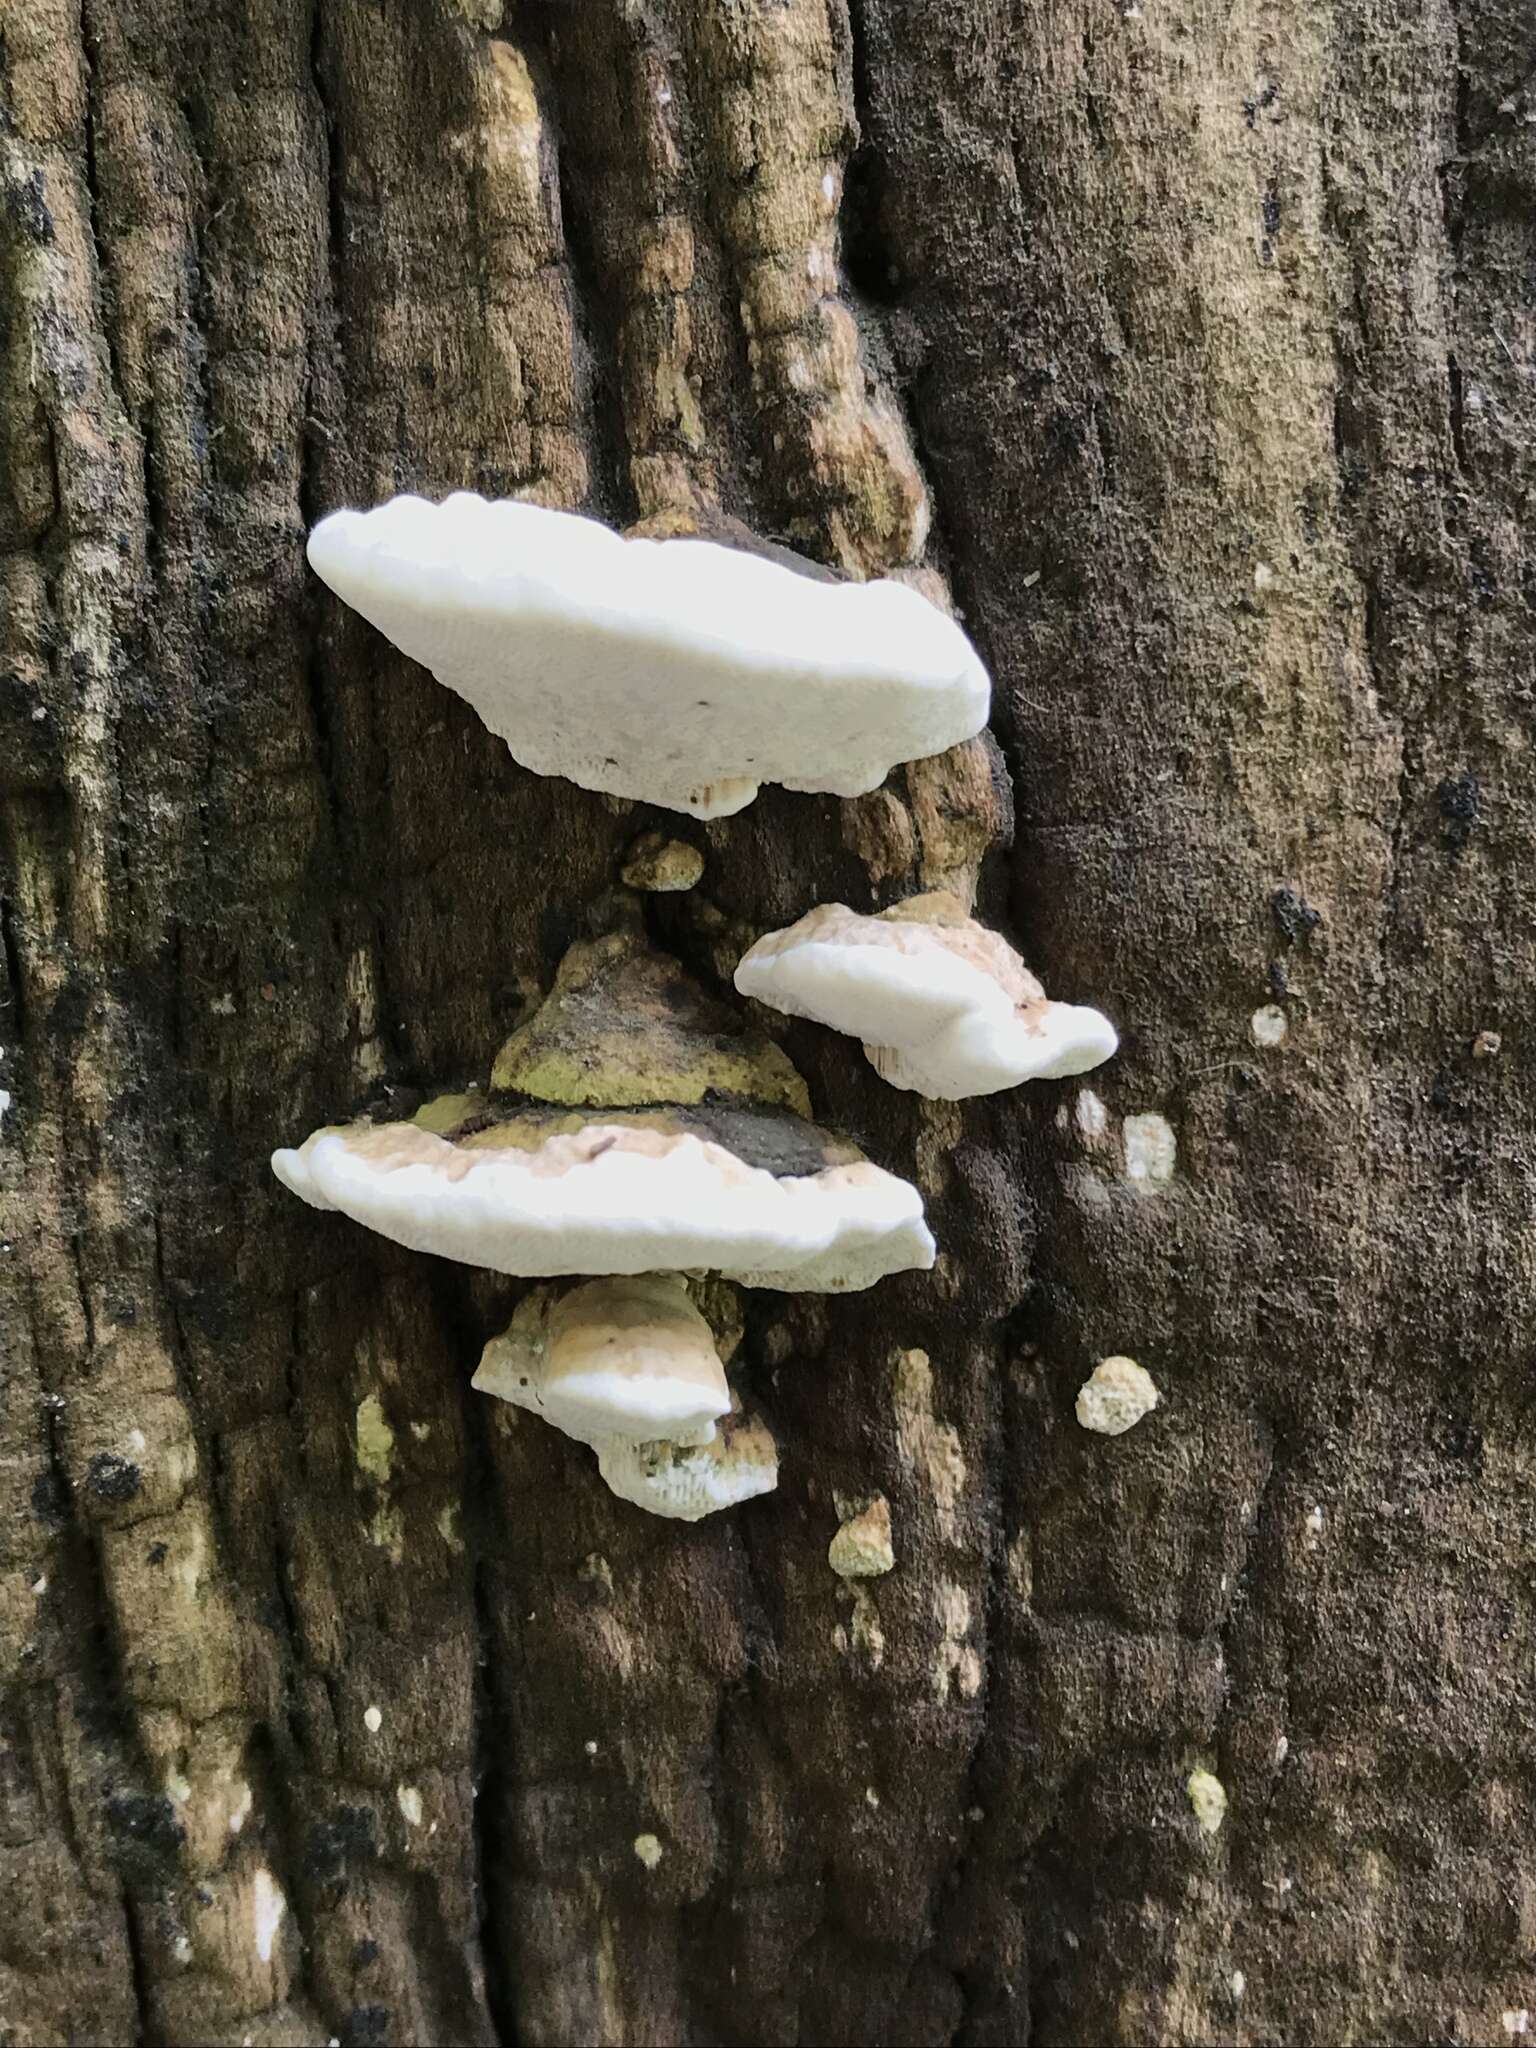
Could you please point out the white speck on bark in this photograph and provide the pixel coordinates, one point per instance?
(1151, 1151)
(269, 1906)
(1092, 1116)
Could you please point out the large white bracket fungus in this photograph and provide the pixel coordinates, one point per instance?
(664, 1136)
(759, 1197)
(631, 1367)
(636, 1131)
(678, 672)
(944, 1006)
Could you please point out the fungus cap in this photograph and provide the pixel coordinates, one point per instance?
(628, 1356)
(679, 672)
(758, 1196)
(944, 1006)
(684, 1484)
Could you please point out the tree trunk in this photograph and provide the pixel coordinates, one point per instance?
(1189, 347)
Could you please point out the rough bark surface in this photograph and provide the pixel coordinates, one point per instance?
(1192, 349)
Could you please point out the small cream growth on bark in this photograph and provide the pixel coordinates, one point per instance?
(1208, 1799)
(1151, 1151)
(861, 1549)
(649, 1850)
(923, 1442)
(375, 1440)
(1115, 1396)
(957, 1666)
(662, 866)
(1092, 1116)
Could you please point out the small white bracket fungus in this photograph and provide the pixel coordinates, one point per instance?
(631, 1367)
(618, 1357)
(678, 672)
(684, 1482)
(944, 1006)
(1115, 1396)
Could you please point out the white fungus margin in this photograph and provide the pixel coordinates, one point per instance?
(679, 672)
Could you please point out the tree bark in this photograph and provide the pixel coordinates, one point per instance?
(1189, 350)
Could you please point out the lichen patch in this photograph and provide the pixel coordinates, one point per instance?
(926, 1445)
(375, 1440)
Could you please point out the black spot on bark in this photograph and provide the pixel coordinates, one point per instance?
(49, 1502)
(1294, 914)
(112, 1478)
(146, 1835)
(868, 255)
(1458, 1438)
(345, 1836)
(1461, 800)
(1271, 215)
(365, 1952)
(365, 2025)
(26, 206)
(157, 1553)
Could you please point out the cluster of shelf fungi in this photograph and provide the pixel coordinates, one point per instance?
(643, 1150)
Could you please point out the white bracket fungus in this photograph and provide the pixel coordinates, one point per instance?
(618, 1357)
(631, 1367)
(678, 672)
(725, 1177)
(759, 1197)
(944, 1006)
(686, 1482)
(1115, 1396)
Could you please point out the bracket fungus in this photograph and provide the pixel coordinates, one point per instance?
(944, 1006)
(686, 1482)
(664, 1137)
(679, 672)
(632, 1368)
(627, 1356)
